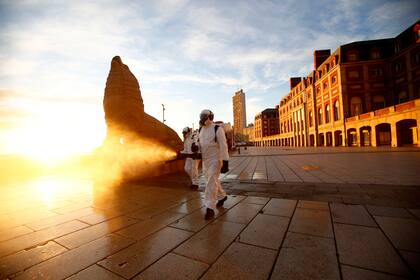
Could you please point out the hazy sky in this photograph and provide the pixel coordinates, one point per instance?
(189, 55)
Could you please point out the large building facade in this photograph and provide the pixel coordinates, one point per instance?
(239, 114)
(266, 123)
(249, 133)
(364, 94)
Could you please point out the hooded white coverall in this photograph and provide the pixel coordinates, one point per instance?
(213, 153)
(191, 165)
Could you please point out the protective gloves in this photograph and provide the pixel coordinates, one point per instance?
(196, 156)
(225, 167)
(194, 148)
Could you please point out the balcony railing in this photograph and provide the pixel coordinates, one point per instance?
(385, 111)
(382, 112)
(405, 106)
(366, 116)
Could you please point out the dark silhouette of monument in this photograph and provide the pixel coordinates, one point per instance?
(124, 111)
(136, 145)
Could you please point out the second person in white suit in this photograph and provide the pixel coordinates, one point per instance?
(191, 164)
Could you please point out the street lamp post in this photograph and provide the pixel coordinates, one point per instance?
(163, 112)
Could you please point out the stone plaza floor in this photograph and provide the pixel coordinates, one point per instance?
(368, 165)
(290, 214)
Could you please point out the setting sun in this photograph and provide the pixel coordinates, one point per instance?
(56, 133)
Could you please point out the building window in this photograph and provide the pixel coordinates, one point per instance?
(416, 58)
(334, 79)
(402, 97)
(397, 46)
(336, 111)
(310, 119)
(327, 113)
(398, 67)
(325, 85)
(375, 53)
(377, 72)
(354, 74)
(334, 61)
(318, 89)
(353, 55)
(320, 115)
(378, 102)
(417, 32)
(356, 106)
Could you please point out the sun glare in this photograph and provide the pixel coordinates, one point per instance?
(54, 138)
(50, 189)
(52, 147)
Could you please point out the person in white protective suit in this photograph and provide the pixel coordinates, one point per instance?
(214, 151)
(191, 164)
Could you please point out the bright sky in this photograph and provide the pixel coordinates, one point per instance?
(189, 55)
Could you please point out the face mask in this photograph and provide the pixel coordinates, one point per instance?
(203, 120)
(205, 117)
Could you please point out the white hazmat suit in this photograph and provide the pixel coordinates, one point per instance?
(214, 150)
(191, 165)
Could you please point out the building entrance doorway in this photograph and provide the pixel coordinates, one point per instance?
(329, 138)
(320, 139)
(407, 133)
(338, 138)
(365, 136)
(311, 140)
(383, 134)
(352, 137)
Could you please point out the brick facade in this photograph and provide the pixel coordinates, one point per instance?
(364, 94)
(266, 123)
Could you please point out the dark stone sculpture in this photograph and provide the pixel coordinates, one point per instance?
(136, 145)
(124, 110)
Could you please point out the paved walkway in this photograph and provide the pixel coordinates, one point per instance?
(327, 165)
(58, 228)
